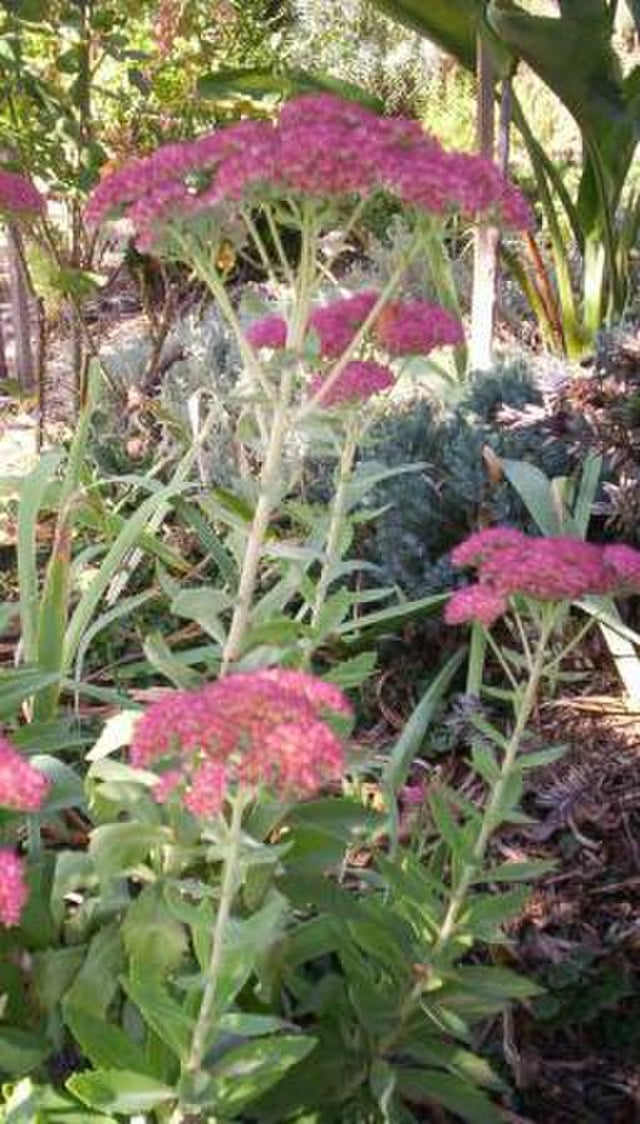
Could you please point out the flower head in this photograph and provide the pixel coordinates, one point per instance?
(22, 787)
(18, 195)
(556, 568)
(270, 331)
(356, 383)
(415, 327)
(321, 146)
(255, 728)
(13, 888)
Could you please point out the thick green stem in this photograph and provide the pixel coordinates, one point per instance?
(269, 480)
(227, 893)
(336, 524)
(272, 466)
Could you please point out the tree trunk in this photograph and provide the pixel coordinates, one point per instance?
(485, 259)
(20, 292)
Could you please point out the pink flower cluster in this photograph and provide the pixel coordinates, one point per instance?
(18, 195)
(546, 569)
(269, 331)
(254, 728)
(22, 787)
(403, 328)
(358, 381)
(321, 145)
(416, 327)
(13, 888)
(337, 323)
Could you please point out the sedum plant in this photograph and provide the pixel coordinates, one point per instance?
(311, 172)
(226, 948)
(217, 949)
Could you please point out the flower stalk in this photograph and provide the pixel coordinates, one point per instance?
(227, 894)
(270, 475)
(524, 710)
(337, 520)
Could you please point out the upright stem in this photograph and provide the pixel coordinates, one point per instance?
(492, 810)
(269, 479)
(227, 893)
(491, 814)
(271, 469)
(336, 524)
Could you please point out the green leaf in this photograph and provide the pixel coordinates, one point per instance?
(410, 741)
(151, 509)
(204, 606)
(484, 762)
(535, 491)
(487, 912)
(458, 1096)
(96, 984)
(542, 757)
(165, 1017)
(353, 672)
(117, 848)
(66, 787)
(386, 621)
(452, 24)
(519, 872)
(116, 732)
(151, 935)
(161, 658)
(450, 831)
(19, 684)
(31, 498)
(283, 83)
(209, 540)
(251, 1026)
(26, 1103)
(245, 1073)
(105, 1045)
(496, 983)
(120, 1091)
(21, 1051)
(53, 972)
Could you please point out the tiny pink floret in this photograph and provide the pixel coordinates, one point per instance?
(13, 888)
(625, 563)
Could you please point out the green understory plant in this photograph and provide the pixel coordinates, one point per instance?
(220, 947)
